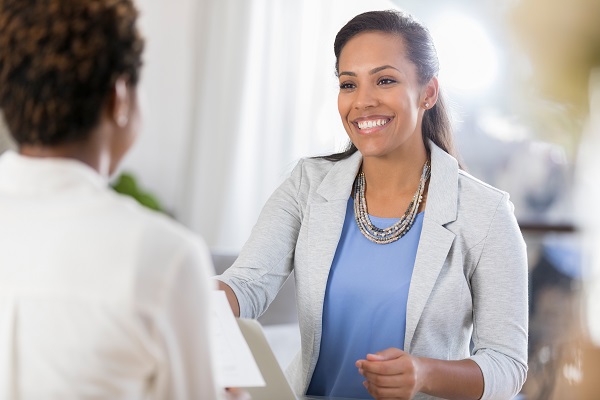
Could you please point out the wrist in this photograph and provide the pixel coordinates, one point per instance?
(423, 369)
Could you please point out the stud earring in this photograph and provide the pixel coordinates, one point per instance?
(426, 105)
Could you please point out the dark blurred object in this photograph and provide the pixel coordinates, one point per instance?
(126, 184)
(559, 267)
(536, 173)
(554, 355)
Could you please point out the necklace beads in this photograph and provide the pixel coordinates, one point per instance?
(400, 228)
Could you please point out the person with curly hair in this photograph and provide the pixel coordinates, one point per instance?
(99, 297)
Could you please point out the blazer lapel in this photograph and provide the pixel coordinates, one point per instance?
(326, 219)
(436, 240)
(325, 223)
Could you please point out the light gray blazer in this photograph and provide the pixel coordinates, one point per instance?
(469, 279)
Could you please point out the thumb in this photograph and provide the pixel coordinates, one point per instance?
(387, 354)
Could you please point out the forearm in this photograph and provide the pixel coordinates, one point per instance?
(266, 260)
(231, 297)
(460, 379)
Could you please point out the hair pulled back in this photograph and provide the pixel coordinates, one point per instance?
(421, 52)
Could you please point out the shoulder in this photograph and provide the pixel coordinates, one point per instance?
(312, 174)
(149, 230)
(477, 194)
(480, 205)
(312, 169)
(160, 251)
(457, 196)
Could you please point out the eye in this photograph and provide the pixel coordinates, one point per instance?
(347, 86)
(386, 81)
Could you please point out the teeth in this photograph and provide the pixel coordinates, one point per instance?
(371, 123)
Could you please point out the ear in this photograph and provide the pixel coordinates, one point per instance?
(121, 104)
(430, 93)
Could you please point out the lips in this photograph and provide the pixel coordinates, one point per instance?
(371, 124)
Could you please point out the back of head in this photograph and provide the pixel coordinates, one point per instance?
(420, 51)
(58, 62)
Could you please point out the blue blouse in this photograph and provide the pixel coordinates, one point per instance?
(365, 304)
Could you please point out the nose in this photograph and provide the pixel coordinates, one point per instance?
(364, 97)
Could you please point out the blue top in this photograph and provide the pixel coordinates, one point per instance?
(365, 304)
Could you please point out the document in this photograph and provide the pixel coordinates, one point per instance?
(235, 364)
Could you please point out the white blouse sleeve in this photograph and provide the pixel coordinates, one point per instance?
(186, 329)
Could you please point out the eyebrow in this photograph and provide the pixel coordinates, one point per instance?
(371, 72)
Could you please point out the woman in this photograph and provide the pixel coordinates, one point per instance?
(396, 308)
(99, 298)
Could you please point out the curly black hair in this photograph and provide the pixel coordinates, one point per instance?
(59, 60)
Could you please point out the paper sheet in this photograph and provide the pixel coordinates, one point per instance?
(235, 364)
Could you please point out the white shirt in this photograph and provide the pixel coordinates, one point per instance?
(99, 297)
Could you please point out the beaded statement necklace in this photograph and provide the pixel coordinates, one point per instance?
(400, 228)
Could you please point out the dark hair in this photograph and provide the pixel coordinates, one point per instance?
(58, 62)
(421, 52)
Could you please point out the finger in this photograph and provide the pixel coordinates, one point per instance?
(380, 393)
(391, 381)
(387, 354)
(391, 367)
(375, 357)
(391, 353)
(386, 380)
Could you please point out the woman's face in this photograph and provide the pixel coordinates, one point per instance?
(380, 100)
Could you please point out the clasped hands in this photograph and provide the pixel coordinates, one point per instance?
(391, 374)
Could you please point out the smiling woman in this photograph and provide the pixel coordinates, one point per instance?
(380, 93)
(400, 258)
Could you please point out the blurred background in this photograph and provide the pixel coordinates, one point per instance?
(235, 92)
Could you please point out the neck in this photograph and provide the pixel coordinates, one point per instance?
(89, 151)
(396, 174)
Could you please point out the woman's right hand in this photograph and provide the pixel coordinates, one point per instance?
(391, 374)
(236, 394)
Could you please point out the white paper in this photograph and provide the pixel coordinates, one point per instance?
(235, 364)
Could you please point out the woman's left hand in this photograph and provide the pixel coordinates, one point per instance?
(391, 374)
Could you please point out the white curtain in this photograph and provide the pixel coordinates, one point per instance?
(235, 92)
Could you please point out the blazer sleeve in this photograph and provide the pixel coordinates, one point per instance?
(266, 259)
(500, 306)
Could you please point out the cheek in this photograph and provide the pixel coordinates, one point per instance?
(343, 105)
(409, 110)
(344, 109)
(136, 125)
(133, 129)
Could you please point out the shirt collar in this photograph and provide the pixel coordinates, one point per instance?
(21, 174)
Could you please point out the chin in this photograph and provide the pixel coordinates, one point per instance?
(371, 151)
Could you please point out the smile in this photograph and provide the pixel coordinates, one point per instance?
(372, 123)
